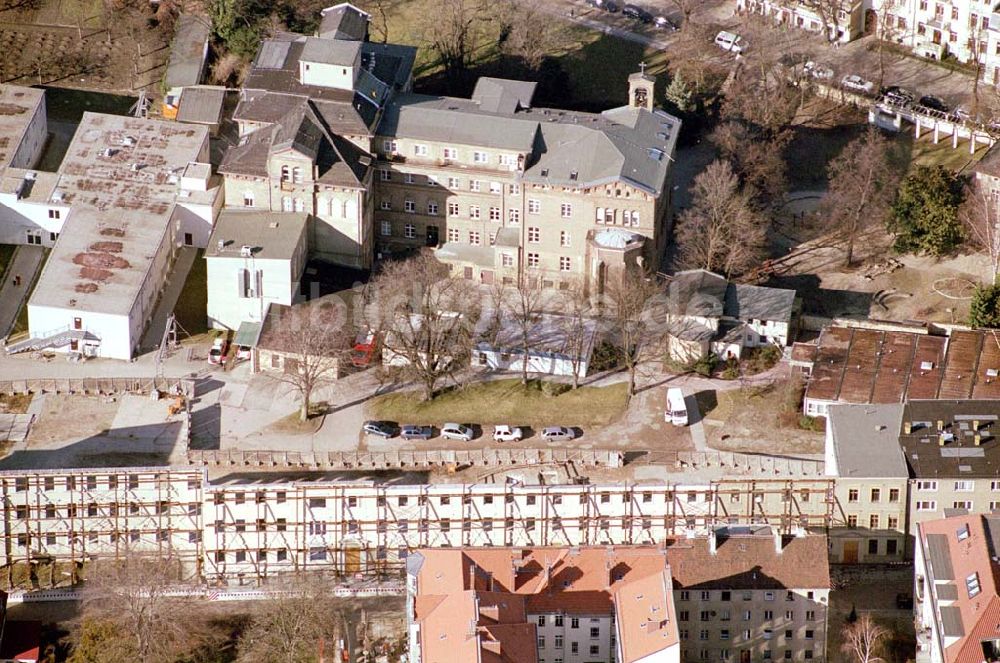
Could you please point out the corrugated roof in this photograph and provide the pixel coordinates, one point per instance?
(951, 621)
(201, 104)
(188, 51)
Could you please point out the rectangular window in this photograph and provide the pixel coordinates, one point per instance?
(892, 522)
(563, 238)
(972, 584)
(420, 150)
(450, 153)
(533, 260)
(452, 209)
(480, 157)
(894, 494)
(408, 178)
(409, 231)
(248, 199)
(473, 211)
(872, 546)
(964, 486)
(926, 505)
(473, 238)
(384, 175)
(432, 208)
(873, 521)
(385, 205)
(494, 214)
(852, 520)
(409, 206)
(388, 146)
(453, 234)
(852, 495)
(534, 235)
(506, 260)
(927, 486)
(475, 185)
(534, 206)
(514, 216)
(496, 187)
(566, 210)
(565, 264)
(876, 494)
(386, 228)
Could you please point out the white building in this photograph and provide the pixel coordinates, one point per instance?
(129, 193)
(557, 345)
(254, 259)
(841, 20)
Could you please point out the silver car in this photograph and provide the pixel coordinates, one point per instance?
(457, 432)
(558, 433)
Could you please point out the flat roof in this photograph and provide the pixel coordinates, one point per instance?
(866, 440)
(939, 438)
(201, 104)
(17, 108)
(121, 179)
(188, 51)
(270, 235)
(861, 365)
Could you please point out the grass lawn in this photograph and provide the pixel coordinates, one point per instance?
(6, 255)
(192, 305)
(505, 402)
(586, 69)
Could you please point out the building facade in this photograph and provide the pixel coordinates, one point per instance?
(839, 21)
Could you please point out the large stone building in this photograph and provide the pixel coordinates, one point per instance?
(505, 191)
(522, 194)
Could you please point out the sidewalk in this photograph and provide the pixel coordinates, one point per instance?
(23, 269)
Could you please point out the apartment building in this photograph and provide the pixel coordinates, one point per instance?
(254, 259)
(243, 528)
(541, 605)
(863, 454)
(840, 21)
(523, 195)
(747, 593)
(955, 589)
(129, 193)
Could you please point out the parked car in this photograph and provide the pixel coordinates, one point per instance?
(638, 13)
(817, 70)
(898, 95)
(218, 352)
(730, 41)
(365, 348)
(558, 433)
(855, 83)
(507, 434)
(609, 6)
(412, 432)
(665, 23)
(243, 352)
(934, 103)
(381, 428)
(457, 432)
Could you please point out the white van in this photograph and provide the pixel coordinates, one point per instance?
(676, 412)
(729, 41)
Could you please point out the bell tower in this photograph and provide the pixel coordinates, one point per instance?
(640, 89)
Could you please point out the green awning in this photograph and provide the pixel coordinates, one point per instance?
(248, 334)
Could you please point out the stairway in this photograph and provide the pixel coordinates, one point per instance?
(51, 339)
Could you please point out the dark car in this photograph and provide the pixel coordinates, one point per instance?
(381, 428)
(411, 432)
(934, 103)
(609, 6)
(638, 13)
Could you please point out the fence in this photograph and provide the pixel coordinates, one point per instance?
(407, 459)
(115, 385)
(736, 464)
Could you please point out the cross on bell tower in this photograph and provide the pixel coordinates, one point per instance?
(640, 89)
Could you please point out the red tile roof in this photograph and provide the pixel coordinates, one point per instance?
(509, 583)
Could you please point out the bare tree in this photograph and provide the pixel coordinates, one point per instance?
(863, 640)
(525, 308)
(427, 319)
(576, 326)
(450, 30)
(527, 32)
(296, 627)
(720, 231)
(138, 618)
(756, 158)
(686, 8)
(831, 13)
(862, 186)
(888, 32)
(314, 338)
(625, 309)
(980, 214)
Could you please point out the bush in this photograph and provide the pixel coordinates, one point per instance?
(605, 357)
(984, 312)
(758, 360)
(554, 388)
(705, 365)
(815, 424)
(732, 370)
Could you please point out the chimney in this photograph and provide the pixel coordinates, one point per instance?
(713, 544)
(778, 543)
(977, 440)
(975, 425)
(941, 440)
(907, 428)
(940, 425)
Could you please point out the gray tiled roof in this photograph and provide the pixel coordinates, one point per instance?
(570, 149)
(344, 21)
(201, 104)
(697, 293)
(501, 95)
(754, 302)
(330, 51)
